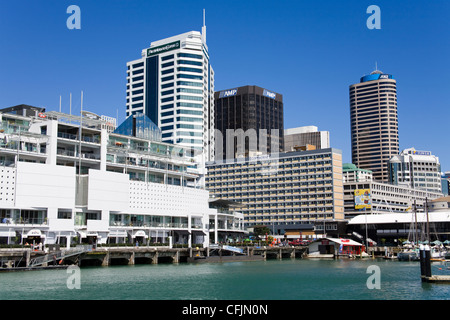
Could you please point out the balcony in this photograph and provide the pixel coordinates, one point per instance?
(70, 153)
(84, 138)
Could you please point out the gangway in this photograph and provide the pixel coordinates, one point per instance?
(228, 248)
(57, 255)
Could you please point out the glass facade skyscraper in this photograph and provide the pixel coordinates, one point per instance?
(173, 84)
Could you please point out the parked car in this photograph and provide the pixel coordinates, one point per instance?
(299, 242)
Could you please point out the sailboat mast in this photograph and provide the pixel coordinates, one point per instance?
(428, 221)
(416, 241)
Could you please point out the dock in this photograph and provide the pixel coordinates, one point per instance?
(436, 279)
(425, 268)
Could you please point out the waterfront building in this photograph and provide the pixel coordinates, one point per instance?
(66, 179)
(251, 109)
(417, 169)
(303, 137)
(374, 123)
(364, 195)
(393, 228)
(291, 193)
(173, 84)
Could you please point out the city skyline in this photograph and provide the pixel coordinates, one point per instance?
(309, 52)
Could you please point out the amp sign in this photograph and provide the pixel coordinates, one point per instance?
(227, 93)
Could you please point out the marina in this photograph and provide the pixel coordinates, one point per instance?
(273, 279)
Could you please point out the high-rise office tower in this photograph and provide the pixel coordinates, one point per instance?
(250, 108)
(374, 123)
(416, 169)
(173, 84)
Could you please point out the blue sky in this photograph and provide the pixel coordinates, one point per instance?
(309, 51)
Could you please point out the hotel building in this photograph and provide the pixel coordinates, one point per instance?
(250, 109)
(374, 123)
(68, 179)
(173, 84)
(416, 169)
(293, 191)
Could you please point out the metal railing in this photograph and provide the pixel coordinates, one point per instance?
(58, 255)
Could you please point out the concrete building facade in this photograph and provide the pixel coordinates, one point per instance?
(295, 190)
(374, 123)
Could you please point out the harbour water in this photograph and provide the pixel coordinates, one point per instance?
(289, 279)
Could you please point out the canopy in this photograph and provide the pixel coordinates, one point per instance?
(140, 233)
(345, 242)
(34, 233)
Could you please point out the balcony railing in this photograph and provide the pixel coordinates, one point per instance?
(23, 221)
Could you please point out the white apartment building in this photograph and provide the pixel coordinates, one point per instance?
(173, 84)
(65, 179)
(416, 169)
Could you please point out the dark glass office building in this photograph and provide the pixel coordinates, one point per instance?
(250, 107)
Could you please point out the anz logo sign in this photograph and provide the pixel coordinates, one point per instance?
(227, 93)
(269, 94)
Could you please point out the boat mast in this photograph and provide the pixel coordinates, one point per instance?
(428, 221)
(416, 241)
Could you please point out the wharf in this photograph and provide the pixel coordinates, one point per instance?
(22, 259)
(436, 279)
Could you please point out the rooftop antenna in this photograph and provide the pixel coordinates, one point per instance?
(204, 27)
(59, 104)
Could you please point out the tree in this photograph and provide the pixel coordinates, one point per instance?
(261, 231)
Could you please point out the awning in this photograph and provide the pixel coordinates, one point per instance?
(34, 233)
(118, 234)
(198, 233)
(84, 234)
(182, 232)
(4, 233)
(140, 233)
(345, 242)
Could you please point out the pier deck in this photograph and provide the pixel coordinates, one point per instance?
(436, 279)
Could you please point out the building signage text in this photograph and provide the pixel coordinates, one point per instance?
(227, 93)
(163, 48)
(269, 94)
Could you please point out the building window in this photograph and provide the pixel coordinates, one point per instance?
(64, 214)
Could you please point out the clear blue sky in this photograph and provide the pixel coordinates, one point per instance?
(309, 51)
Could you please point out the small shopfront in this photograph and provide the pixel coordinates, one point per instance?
(336, 247)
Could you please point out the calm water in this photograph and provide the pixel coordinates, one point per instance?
(269, 280)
